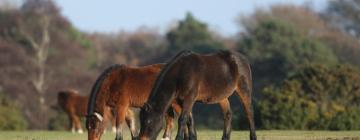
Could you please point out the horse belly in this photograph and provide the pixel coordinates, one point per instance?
(139, 97)
(211, 95)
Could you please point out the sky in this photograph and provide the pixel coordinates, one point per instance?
(119, 15)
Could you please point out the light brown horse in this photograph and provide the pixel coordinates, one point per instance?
(121, 87)
(75, 107)
(190, 77)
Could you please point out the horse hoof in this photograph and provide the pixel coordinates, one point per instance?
(225, 138)
(253, 138)
(113, 129)
(167, 138)
(120, 138)
(80, 131)
(192, 138)
(179, 138)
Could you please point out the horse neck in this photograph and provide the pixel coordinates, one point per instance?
(163, 99)
(164, 87)
(100, 103)
(96, 101)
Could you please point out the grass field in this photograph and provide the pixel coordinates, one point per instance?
(202, 135)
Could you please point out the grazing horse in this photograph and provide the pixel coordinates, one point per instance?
(188, 78)
(121, 87)
(75, 107)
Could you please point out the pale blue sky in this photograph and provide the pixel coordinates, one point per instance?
(118, 15)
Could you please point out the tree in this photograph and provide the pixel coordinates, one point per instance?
(315, 97)
(311, 24)
(31, 26)
(343, 14)
(193, 35)
(342, 17)
(276, 49)
(34, 40)
(41, 47)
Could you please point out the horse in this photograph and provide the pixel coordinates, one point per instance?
(190, 77)
(75, 107)
(122, 87)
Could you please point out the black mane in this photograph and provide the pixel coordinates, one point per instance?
(97, 85)
(165, 69)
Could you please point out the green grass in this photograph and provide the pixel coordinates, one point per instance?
(202, 135)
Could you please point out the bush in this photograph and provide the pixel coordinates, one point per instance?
(315, 97)
(59, 122)
(11, 117)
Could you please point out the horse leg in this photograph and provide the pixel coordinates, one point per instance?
(71, 124)
(191, 128)
(78, 125)
(186, 130)
(131, 123)
(226, 110)
(184, 117)
(112, 119)
(107, 117)
(113, 123)
(245, 97)
(120, 118)
(169, 117)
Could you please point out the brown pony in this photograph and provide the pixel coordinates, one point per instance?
(190, 77)
(75, 107)
(121, 87)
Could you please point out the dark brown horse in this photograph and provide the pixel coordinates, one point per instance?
(190, 77)
(121, 87)
(75, 107)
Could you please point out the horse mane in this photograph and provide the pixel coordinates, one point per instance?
(165, 69)
(96, 87)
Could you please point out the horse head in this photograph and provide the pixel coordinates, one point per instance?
(95, 126)
(149, 121)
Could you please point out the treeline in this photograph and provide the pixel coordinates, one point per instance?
(305, 64)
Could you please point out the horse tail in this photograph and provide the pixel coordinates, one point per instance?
(243, 66)
(165, 69)
(245, 79)
(96, 87)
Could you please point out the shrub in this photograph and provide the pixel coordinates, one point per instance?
(11, 117)
(315, 97)
(59, 122)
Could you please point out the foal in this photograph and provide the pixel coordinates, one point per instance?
(75, 107)
(190, 77)
(121, 87)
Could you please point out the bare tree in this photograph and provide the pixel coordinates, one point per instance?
(40, 48)
(34, 29)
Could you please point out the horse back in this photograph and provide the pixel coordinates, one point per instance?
(133, 84)
(215, 75)
(70, 101)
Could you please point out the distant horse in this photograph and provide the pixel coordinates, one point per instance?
(75, 107)
(121, 87)
(190, 77)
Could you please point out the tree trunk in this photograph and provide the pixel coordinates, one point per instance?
(41, 54)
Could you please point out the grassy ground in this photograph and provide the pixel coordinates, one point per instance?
(202, 135)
